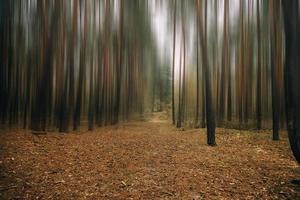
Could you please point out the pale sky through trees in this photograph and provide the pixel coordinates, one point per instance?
(162, 26)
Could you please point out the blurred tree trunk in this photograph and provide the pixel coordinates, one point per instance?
(240, 75)
(248, 65)
(224, 69)
(178, 125)
(274, 10)
(259, 65)
(43, 100)
(99, 79)
(173, 64)
(81, 79)
(63, 101)
(184, 64)
(181, 72)
(208, 92)
(292, 72)
(204, 32)
(197, 80)
(91, 115)
(71, 63)
(119, 66)
(228, 63)
(216, 79)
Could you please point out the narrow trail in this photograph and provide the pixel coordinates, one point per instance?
(160, 117)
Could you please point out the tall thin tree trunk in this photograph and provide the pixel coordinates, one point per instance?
(228, 63)
(224, 69)
(72, 63)
(179, 117)
(173, 64)
(259, 64)
(197, 82)
(208, 92)
(241, 65)
(119, 66)
(78, 107)
(274, 10)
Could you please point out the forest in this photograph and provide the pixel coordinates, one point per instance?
(149, 99)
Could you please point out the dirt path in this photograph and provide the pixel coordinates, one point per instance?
(146, 160)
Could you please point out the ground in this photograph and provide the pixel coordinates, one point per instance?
(146, 160)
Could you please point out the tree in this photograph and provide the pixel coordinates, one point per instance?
(228, 63)
(173, 63)
(259, 64)
(72, 45)
(179, 116)
(240, 71)
(208, 92)
(182, 71)
(292, 72)
(119, 66)
(225, 66)
(197, 80)
(62, 95)
(91, 114)
(275, 66)
(247, 75)
(77, 112)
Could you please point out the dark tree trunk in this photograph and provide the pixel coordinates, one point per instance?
(274, 10)
(179, 116)
(71, 63)
(292, 73)
(208, 92)
(77, 112)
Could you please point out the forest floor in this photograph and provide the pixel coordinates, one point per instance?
(146, 160)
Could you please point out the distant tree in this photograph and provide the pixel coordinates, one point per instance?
(183, 96)
(259, 66)
(119, 67)
(247, 75)
(225, 67)
(173, 62)
(228, 63)
(179, 115)
(182, 71)
(72, 46)
(275, 66)
(78, 106)
(240, 75)
(91, 114)
(62, 95)
(197, 80)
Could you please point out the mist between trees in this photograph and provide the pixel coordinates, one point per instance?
(78, 63)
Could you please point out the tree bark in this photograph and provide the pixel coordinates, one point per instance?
(173, 64)
(208, 92)
(292, 72)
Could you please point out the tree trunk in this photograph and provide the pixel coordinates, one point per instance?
(292, 73)
(208, 92)
(173, 65)
(77, 113)
(259, 64)
(274, 66)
